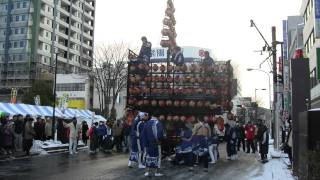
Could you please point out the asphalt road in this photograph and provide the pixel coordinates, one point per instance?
(114, 166)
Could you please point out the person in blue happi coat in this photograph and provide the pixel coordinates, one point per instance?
(137, 144)
(184, 149)
(153, 133)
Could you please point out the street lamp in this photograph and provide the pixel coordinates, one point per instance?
(268, 74)
(55, 96)
(270, 103)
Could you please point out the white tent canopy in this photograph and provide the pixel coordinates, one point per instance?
(33, 110)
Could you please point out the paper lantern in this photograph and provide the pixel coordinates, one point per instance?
(132, 68)
(183, 103)
(169, 103)
(162, 117)
(192, 103)
(176, 103)
(169, 118)
(146, 102)
(176, 118)
(183, 118)
(184, 68)
(155, 68)
(140, 103)
(162, 103)
(162, 68)
(199, 104)
(154, 103)
(207, 104)
(162, 78)
(141, 66)
(170, 68)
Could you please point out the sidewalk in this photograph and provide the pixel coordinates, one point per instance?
(42, 148)
(276, 168)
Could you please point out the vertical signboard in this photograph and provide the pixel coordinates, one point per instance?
(317, 17)
(318, 63)
(285, 40)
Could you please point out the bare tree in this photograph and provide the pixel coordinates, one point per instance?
(110, 75)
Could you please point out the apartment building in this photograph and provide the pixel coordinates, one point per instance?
(33, 32)
(310, 10)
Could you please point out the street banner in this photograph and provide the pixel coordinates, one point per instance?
(37, 100)
(285, 40)
(317, 18)
(318, 63)
(13, 96)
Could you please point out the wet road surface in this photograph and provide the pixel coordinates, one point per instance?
(114, 166)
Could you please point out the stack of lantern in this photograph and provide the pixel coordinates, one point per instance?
(169, 34)
(186, 86)
(192, 119)
(191, 68)
(180, 103)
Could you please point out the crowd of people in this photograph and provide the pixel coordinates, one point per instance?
(17, 133)
(146, 138)
(198, 143)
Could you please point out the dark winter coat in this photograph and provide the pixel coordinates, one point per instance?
(264, 140)
(145, 50)
(7, 135)
(85, 128)
(208, 61)
(18, 126)
(178, 58)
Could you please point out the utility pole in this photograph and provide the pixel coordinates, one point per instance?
(275, 82)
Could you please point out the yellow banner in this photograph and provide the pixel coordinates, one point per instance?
(76, 103)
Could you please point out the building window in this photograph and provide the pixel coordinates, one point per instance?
(15, 44)
(313, 78)
(24, 4)
(18, 5)
(23, 17)
(6, 7)
(47, 34)
(22, 30)
(20, 57)
(16, 31)
(21, 44)
(17, 18)
(49, 9)
(48, 22)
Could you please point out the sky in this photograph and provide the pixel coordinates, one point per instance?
(220, 25)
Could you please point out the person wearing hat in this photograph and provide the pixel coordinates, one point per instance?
(152, 135)
(137, 145)
(145, 51)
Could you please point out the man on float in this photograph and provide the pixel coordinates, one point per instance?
(137, 144)
(207, 61)
(153, 133)
(177, 56)
(145, 51)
